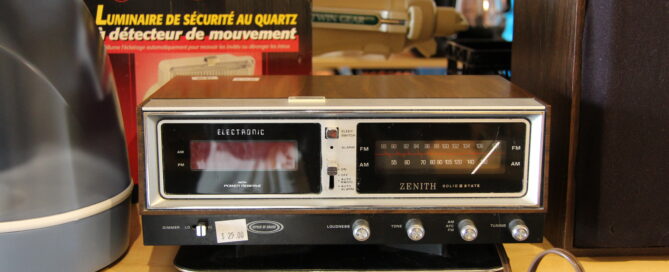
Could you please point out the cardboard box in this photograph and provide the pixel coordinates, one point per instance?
(149, 41)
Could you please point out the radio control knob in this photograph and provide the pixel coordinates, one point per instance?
(468, 230)
(361, 231)
(201, 229)
(519, 231)
(415, 229)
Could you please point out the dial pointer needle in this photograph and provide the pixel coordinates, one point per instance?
(494, 147)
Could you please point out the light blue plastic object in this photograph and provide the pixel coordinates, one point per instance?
(507, 34)
(64, 183)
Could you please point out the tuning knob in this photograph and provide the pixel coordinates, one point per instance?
(468, 230)
(361, 231)
(415, 229)
(519, 231)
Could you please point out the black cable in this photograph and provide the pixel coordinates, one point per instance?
(560, 252)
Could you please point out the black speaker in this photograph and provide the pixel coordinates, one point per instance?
(622, 159)
(603, 65)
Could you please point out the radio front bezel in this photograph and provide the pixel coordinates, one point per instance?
(531, 197)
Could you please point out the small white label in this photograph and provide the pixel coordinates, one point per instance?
(251, 79)
(231, 231)
(204, 78)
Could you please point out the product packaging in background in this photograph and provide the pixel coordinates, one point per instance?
(151, 41)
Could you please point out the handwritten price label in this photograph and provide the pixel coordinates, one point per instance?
(231, 231)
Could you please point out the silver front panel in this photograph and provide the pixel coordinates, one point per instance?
(343, 155)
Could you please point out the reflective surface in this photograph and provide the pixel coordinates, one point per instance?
(226, 157)
(349, 258)
(244, 155)
(61, 144)
(442, 157)
(463, 157)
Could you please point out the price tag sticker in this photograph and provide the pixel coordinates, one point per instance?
(229, 231)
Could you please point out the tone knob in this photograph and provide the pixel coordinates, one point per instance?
(361, 231)
(468, 230)
(415, 229)
(519, 231)
(201, 229)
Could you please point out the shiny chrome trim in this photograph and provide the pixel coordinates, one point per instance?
(531, 198)
(325, 194)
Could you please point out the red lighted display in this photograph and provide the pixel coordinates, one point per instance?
(243, 155)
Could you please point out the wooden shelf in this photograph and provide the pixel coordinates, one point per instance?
(140, 258)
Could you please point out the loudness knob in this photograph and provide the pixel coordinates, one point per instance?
(415, 229)
(519, 231)
(468, 230)
(361, 231)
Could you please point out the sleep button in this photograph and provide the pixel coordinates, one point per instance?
(332, 133)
